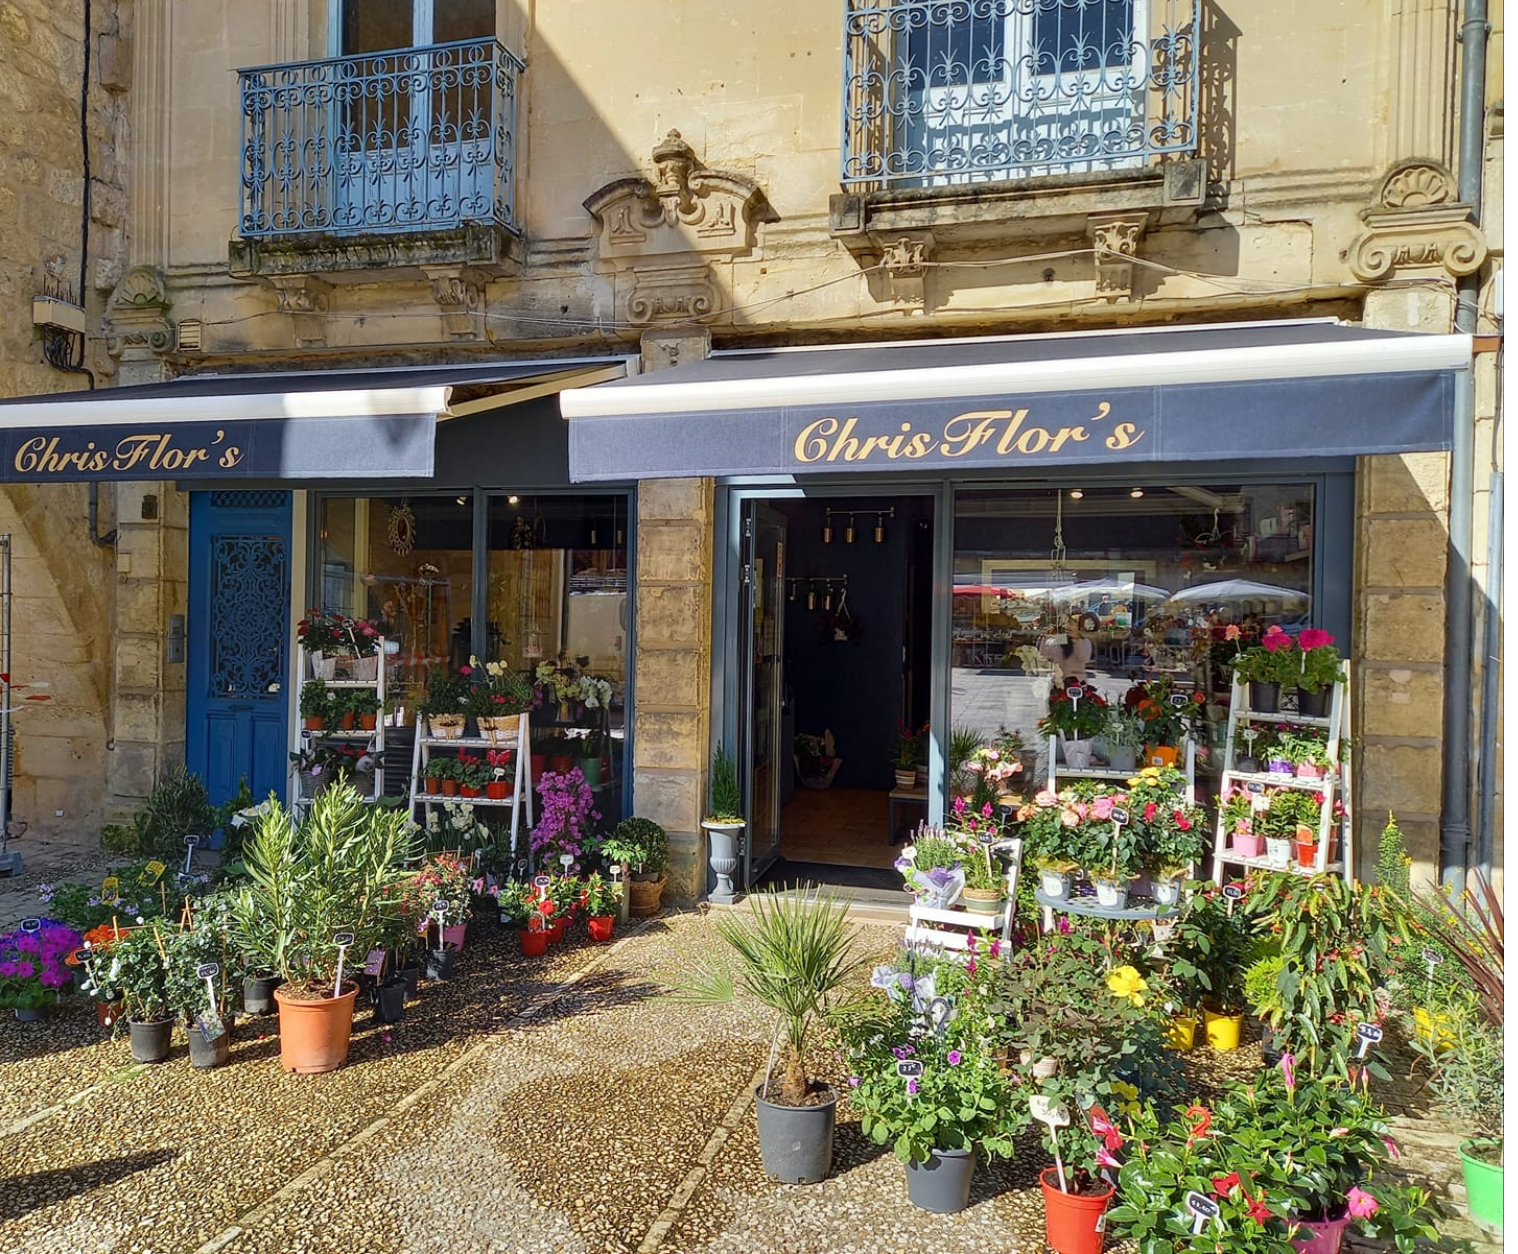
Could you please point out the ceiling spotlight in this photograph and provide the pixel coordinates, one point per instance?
(1077, 494)
(1136, 493)
(461, 500)
(513, 500)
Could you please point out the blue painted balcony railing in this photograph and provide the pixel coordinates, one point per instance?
(945, 92)
(415, 140)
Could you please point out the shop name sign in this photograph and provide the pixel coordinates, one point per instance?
(976, 436)
(141, 454)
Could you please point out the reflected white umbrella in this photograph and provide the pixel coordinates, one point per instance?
(1114, 588)
(1239, 590)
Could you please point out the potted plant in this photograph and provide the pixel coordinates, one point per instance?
(438, 770)
(136, 974)
(364, 705)
(723, 824)
(34, 968)
(1076, 1197)
(446, 705)
(1171, 832)
(964, 740)
(1252, 745)
(927, 1076)
(500, 762)
(201, 971)
(1166, 716)
(641, 846)
(908, 749)
(1058, 835)
(599, 901)
(931, 866)
(1238, 819)
(817, 760)
(524, 910)
(497, 698)
(316, 704)
(473, 775)
(986, 777)
(564, 895)
(985, 885)
(1210, 952)
(590, 749)
(1265, 667)
(313, 884)
(794, 956)
(566, 822)
(1124, 733)
(440, 891)
(1076, 714)
(1319, 669)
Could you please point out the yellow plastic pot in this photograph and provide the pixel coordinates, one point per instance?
(1223, 1030)
(1180, 1033)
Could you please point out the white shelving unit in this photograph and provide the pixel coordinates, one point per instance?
(1059, 771)
(928, 926)
(373, 741)
(1335, 786)
(520, 799)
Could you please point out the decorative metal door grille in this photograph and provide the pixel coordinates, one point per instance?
(943, 92)
(249, 584)
(412, 140)
(272, 499)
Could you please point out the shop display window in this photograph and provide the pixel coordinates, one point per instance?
(1115, 586)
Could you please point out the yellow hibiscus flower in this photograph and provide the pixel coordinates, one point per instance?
(1128, 983)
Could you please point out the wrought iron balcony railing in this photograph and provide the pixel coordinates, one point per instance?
(945, 92)
(419, 139)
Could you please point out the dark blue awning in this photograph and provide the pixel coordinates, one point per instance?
(1297, 389)
(310, 425)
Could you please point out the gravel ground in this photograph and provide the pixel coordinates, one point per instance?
(598, 1122)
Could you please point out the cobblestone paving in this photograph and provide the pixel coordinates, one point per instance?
(526, 1107)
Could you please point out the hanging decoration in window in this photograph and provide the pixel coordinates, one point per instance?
(401, 529)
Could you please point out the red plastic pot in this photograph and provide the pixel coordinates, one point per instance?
(1307, 853)
(467, 791)
(450, 788)
(1072, 1220)
(534, 944)
(498, 790)
(600, 926)
(556, 930)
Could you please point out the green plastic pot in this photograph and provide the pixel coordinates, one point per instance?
(1483, 1182)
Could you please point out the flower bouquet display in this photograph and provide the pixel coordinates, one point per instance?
(1079, 828)
(932, 866)
(1170, 831)
(497, 698)
(1168, 717)
(336, 643)
(1265, 667)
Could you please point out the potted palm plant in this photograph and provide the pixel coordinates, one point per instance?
(319, 893)
(724, 825)
(795, 954)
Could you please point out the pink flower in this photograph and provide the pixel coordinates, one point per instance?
(1361, 1204)
(466, 670)
(1337, 1132)
(1232, 632)
(1391, 1148)
(912, 1086)
(1105, 1159)
(1275, 640)
(1101, 808)
(1314, 638)
(1289, 1070)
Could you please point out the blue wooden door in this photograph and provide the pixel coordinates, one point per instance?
(239, 641)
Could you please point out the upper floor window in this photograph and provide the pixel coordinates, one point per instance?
(385, 25)
(940, 92)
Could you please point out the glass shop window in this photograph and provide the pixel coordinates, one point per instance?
(1114, 586)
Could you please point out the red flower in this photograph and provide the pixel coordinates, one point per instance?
(1258, 1211)
(1314, 638)
(1275, 640)
(1150, 811)
(1222, 1184)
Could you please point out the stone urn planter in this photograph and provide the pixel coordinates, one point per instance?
(723, 859)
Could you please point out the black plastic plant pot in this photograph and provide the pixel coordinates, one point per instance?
(942, 1184)
(440, 963)
(796, 1142)
(258, 994)
(390, 1002)
(204, 1056)
(150, 1041)
(411, 977)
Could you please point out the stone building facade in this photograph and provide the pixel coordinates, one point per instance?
(677, 187)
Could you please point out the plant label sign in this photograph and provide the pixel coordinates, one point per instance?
(1202, 1209)
(189, 851)
(541, 881)
(31, 925)
(909, 1069)
(1046, 1110)
(151, 873)
(1120, 816)
(211, 1026)
(208, 970)
(80, 956)
(110, 890)
(1180, 700)
(374, 963)
(1369, 1034)
(343, 939)
(1232, 892)
(566, 860)
(940, 1011)
(1255, 787)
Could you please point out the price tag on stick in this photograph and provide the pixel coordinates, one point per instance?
(375, 962)
(342, 940)
(189, 851)
(1202, 1209)
(1232, 894)
(1433, 958)
(1369, 1035)
(1056, 1115)
(1179, 700)
(31, 926)
(909, 1069)
(541, 881)
(1120, 816)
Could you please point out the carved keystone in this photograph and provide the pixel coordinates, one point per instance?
(137, 325)
(1417, 223)
(1116, 237)
(306, 299)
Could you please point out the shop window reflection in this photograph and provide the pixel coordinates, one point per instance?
(1116, 586)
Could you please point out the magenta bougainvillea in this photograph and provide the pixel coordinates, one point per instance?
(566, 823)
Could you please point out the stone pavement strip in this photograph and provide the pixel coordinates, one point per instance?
(525, 1107)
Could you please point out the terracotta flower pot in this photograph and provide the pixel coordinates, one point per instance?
(433, 785)
(468, 791)
(600, 926)
(1073, 1221)
(316, 724)
(450, 788)
(347, 723)
(1307, 853)
(498, 790)
(366, 722)
(313, 1035)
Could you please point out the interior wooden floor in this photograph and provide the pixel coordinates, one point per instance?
(841, 827)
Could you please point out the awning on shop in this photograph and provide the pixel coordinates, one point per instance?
(320, 424)
(1023, 403)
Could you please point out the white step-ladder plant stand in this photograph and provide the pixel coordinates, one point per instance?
(520, 798)
(1336, 786)
(374, 741)
(932, 928)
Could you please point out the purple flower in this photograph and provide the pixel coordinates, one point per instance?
(902, 1051)
(906, 981)
(853, 1081)
(955, 1057)
(7, 968)
(912, 1086)
(940, 877)
(25, 970)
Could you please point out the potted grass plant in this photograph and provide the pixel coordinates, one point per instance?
(723, 824)
(795, 954)
(315, 904)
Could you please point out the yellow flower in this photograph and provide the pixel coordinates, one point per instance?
(1434, 1028)
(1127, 982)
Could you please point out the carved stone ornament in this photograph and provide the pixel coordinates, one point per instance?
(905, 263)
(460, 295)
(661, 236)
(1116, 237)
(1417, 223)
(306, 299)
(137, 324)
